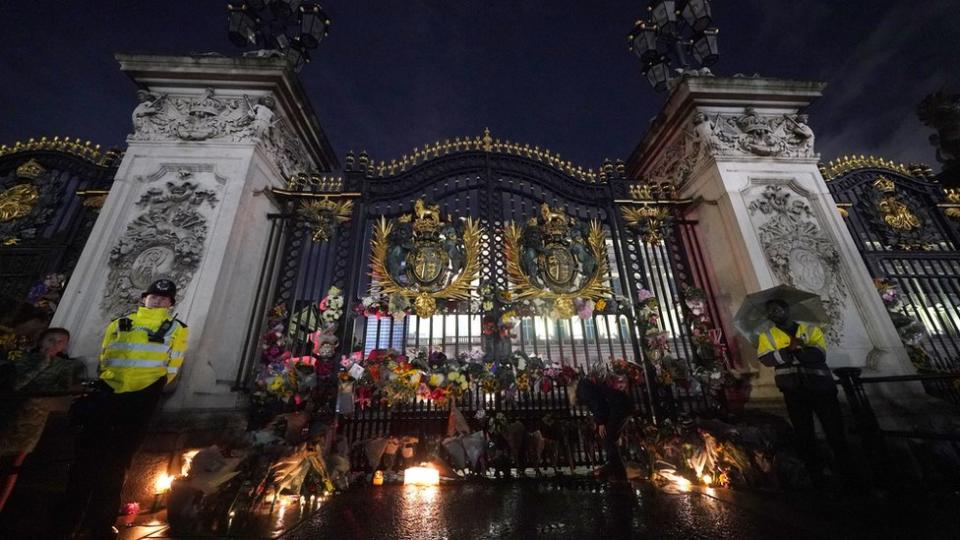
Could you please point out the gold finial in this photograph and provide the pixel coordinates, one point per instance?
(845, 164)
(487, 140)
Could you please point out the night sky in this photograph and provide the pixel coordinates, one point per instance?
(394, 75)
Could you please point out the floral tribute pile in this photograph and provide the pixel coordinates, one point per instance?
(656, 342)
(285, 381)
(391, 377)
(910, 330)
(712, 365)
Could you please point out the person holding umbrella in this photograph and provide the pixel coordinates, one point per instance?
(785, 322)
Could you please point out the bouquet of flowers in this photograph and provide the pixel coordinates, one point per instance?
(378, 304)
(655, 341)
(910, 330)
(710, 352)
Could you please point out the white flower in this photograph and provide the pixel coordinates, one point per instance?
(334, 302)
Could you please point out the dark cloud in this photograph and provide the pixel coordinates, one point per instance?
(555, 73)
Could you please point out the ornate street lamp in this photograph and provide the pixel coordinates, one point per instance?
(292, 28)
(697, 14)
(676, 31)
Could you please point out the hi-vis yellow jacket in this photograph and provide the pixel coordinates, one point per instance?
(808, 334)
(129, 361)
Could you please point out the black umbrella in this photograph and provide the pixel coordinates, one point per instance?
(805, 306)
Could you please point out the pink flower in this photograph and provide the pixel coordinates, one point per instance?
(307, 360)
(643, 295)
(130, 509)
(324, 303)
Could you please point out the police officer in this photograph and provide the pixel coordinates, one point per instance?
(797, 352)
(141, 353)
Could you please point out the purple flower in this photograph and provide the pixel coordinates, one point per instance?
(643, 295)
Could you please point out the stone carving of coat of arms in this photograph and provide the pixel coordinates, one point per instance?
(424, 257)
(165, 241)
(800, 254)
(556, 258)
(212, 117)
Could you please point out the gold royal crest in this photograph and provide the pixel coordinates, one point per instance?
(424, 258)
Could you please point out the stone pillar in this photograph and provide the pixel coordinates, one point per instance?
(744, 150)
(209, 136)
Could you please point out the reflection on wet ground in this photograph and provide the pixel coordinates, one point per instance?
(531, 509)
(578, 508)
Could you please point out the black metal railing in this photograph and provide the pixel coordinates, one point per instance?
(573, 433)
(865, 420)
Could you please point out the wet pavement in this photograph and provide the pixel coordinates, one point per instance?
(576, 508)
(528, 510)
(544, 509)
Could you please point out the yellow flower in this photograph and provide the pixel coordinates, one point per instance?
(600, 304)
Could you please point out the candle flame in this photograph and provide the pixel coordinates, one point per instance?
(162, 483)
(421, 476)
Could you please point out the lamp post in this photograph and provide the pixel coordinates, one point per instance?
(678, 31)
(292, 28)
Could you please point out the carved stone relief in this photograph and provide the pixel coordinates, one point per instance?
(205, 117)
(733, 135)
(799, 253)
(165, 241)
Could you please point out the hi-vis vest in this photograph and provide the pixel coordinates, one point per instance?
(808, 334)
(129, 361)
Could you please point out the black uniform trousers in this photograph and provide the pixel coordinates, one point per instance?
(112, 430)
(802, 404)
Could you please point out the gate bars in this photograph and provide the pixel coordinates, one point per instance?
(905, 227)
(495, 188)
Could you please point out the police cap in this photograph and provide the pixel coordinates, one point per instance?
(162, 287)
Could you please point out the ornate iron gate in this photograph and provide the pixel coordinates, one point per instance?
(905, 226)
(323, 238)
(50, 192)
